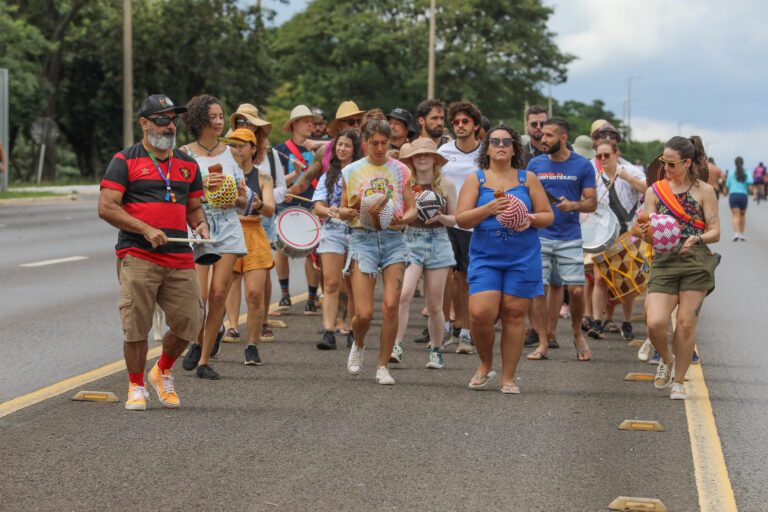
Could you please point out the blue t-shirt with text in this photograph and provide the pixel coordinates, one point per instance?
(564, 179)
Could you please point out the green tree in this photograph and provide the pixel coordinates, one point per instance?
(375, 51)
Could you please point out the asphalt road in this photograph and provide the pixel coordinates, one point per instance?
(300, 434)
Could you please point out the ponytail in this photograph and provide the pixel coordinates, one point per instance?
(741, 174)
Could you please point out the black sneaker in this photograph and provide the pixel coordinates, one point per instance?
(350, 339)
(424, 337)
(328, 342)
(596, 330)
(205, 371)
(193, 357)
(552, 343)
(626, 331)
(310, 308)
(252, 356)
(285, 303)
(217, 344)
(532, 338)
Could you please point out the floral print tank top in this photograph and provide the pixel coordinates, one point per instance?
(691, 207)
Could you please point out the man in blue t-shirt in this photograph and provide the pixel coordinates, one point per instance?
(570, 180)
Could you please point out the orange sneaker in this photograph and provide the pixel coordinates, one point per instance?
(162, 382)
(137, 398)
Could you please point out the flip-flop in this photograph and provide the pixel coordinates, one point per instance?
(583, 355)
(510, 389)
(537, 356)
(485, 381)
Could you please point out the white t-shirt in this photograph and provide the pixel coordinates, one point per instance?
(628, 196)
(279, 185)
(460, 164)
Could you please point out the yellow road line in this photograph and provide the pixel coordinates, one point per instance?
(63, 386)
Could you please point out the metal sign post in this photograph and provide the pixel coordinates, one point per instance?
(4, 114)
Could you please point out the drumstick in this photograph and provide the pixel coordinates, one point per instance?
(193, 240)
(300, 198)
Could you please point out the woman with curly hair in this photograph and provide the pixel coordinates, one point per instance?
(429, 248)
(204, 120)
(334, 237)
(505, 264)
(681, 278)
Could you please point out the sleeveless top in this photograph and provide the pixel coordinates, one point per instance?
(485, 196)
(691, 207)
(252, 182)
(418, 223)
(228, 164)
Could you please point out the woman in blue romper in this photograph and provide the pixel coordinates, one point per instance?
(504, 264)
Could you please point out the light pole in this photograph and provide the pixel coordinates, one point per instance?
(629, 107)
(680, 126)
(431, 71)
(127, 75)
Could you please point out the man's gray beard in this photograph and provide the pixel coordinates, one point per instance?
(162, 141)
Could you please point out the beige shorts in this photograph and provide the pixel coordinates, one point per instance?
(144, 284)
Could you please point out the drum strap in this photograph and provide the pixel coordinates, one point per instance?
(666, 196)
(272, 166)
(294, 149)
(615, 204)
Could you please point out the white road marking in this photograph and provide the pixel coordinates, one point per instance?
(53, 262)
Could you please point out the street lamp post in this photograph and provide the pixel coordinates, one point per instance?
(431, 71)
(629, 107)
(127, 75)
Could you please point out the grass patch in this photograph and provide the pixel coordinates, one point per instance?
(11, 194)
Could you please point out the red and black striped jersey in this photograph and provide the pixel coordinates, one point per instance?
(133, 173)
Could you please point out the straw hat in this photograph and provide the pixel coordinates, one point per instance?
(299, 112)
(346, 109)
(239, 136)
(405, 151)
(250, 114)
(583, 146)
(596, 125)
(423, 146)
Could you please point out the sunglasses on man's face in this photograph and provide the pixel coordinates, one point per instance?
(536, 124)
(162, 120)
(505, 142)
(462, 121)
(607, 135)
(353, 122)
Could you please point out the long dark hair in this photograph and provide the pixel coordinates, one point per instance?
(484, 161)
(741, 174)
(196, 116)
(693, 149)
(334, 171)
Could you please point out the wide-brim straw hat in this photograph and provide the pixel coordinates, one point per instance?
(346, 109)
(299, 112)
(239, 136)
(250, 114)
(583, 146)
(423, 146)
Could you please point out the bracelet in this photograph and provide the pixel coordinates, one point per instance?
(250, 204)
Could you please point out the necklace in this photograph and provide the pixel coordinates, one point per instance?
(205, 148)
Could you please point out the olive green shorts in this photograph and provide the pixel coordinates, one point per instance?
(672, 273)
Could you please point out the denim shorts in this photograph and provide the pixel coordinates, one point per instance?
(226, 229)
(334, 237)
(738, 200)
(566, 258)
(429, 247)
(268, 223)
(375, 250)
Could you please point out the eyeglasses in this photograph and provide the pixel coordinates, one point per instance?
(670, 163)
(163, 120)
(241, 122)
(536, 124)
(462, 121)
(505, 142)
(603, 156)
(353, 122)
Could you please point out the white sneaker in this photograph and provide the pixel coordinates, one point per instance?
(397, 354)
(742, 237)
(678, 392)
(383, 377)
(355, 360)
(646, 350)
(465, 345)
(664, 373)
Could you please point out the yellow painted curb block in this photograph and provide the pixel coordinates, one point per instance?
(644, 425)
(627, 504)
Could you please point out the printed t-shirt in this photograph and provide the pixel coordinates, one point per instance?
(564, 179)
(364, 178)
(459, 166)
(287, 159)
(133, 173)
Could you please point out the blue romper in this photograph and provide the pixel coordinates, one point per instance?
(502, 259)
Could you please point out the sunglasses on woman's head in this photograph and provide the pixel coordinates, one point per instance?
(505, 142)
(163, 120)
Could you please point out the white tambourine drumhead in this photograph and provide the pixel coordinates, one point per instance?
(599, 230)
(298, 228)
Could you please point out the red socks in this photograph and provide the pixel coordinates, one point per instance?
(137, 379)
(165, 362)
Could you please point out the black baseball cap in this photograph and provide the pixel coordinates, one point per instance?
(403, 115)
(158, 103)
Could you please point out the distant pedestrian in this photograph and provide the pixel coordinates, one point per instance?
(151, 192)
(738, 185)
(716, 178)
(758, 178)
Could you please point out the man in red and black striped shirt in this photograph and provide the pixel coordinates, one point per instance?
(151, 192)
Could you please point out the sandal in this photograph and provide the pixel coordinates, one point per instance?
(582, 355)
(510, 389)
(482, 382)
(586, 323)
(537, 356)
(610, 327)
(552, 343)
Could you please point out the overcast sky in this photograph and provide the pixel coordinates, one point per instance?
(703, 66)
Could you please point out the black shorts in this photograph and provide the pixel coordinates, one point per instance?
(460, 242)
